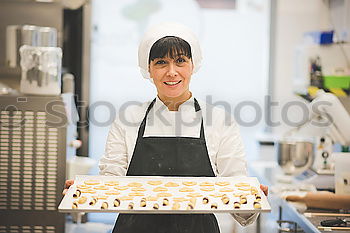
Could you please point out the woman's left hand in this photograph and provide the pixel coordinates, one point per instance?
(265, 189)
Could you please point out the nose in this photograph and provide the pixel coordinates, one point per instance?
(172, 72)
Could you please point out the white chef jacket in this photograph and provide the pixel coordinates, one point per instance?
(224, 144)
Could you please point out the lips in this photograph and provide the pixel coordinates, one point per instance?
(172, 83)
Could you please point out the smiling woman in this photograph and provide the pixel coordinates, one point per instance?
(172, 135)
(234, 44)
(171, 67)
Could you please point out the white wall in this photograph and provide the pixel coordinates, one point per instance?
(292, 20)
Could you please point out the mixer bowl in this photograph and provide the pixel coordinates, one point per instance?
(294, 156)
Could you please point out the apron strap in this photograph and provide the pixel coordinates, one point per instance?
(196, 105)
(143, 123)
(198, 108)
(149, 108)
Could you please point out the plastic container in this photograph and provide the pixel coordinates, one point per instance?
(336, 82)
(320, 37)
(41, 70)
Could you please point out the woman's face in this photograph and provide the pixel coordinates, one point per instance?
(172, 77)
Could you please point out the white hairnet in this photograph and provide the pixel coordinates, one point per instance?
(168, 29)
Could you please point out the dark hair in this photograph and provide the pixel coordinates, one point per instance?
(169, 46)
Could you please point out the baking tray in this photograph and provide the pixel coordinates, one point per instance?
(105, 189)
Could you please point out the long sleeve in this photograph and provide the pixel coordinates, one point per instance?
(231, 161)
(115, 159)
(230, 158)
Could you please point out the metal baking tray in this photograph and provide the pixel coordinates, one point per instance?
(189, 200)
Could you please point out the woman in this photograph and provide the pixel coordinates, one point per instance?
(175, 134)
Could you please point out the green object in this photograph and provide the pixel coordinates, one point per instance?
(336, 82)
(345, 149)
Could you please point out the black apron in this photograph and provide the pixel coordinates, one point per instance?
(168, 156)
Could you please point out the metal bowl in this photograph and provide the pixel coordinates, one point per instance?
(295, 157)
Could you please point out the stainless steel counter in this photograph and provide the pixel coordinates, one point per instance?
(288, 217)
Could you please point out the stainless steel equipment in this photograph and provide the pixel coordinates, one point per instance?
(32, 35)
(328, 124)
(47, 37)
(34, 136)
(73, 36)
(295, 156)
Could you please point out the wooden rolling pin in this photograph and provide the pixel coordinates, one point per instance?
(323, 200)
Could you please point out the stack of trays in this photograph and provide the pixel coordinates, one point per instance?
(164, 195)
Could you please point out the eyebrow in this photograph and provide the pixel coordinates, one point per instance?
(176, 56)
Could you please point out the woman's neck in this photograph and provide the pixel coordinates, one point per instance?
(173, 104)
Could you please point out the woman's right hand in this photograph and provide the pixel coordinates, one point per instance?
(67, 185)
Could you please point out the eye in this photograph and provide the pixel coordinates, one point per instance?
(180, 60)
(160, 62)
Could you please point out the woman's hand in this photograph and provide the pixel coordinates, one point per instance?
(265, 189)
(67, 185)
